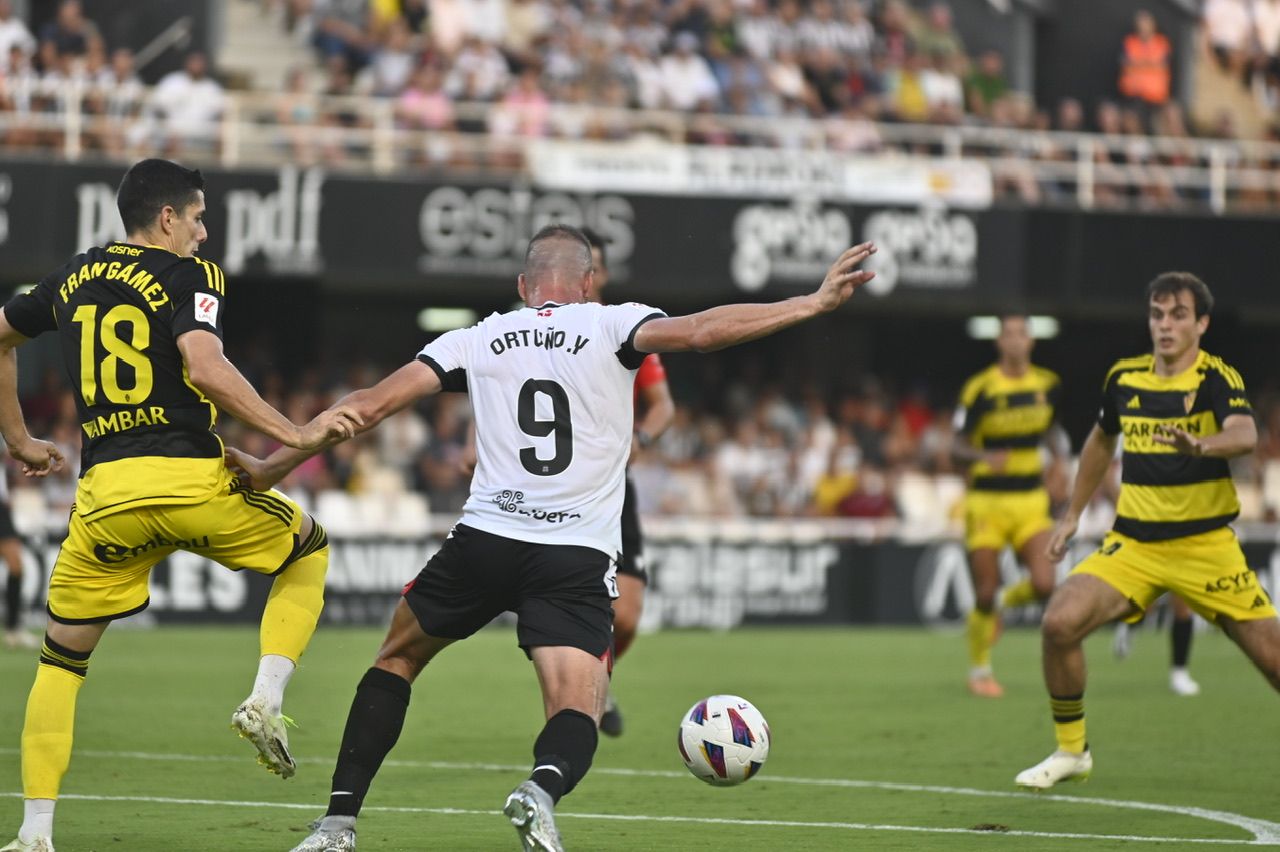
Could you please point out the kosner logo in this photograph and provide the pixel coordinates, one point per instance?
(486, 231)
(284, 225)
(926, 248)
(792, 243)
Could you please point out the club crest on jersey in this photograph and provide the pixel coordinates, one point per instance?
(1189, 401)
(207, 309)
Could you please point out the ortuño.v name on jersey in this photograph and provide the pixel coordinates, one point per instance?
(118, 310)
(551, 388)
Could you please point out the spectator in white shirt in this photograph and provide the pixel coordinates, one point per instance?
(1228, 28)
(1266, 21)
(189, 104)
(756, 30)
(943, 90)
(448, 25)
(686, 77)
(486, 19)
(393, 62)
(115, 100)
(479, 73)
(857, 35)
(13, 33)
(644, 77)
(819, 30)
(527, 22)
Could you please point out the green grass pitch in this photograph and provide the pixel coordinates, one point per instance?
(877, 745)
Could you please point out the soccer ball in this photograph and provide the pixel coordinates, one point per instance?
(724, 740)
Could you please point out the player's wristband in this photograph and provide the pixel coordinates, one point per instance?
(644, 439)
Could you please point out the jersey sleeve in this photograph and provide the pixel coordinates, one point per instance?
(1053, 391)
(32, 313)
(199, 292)
(1108, 411)
(448, 356)
(621, 322)
(969, 408)
(1226, 393)
(651, 372)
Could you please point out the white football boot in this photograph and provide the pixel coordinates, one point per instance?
(1181, 682)
(328, 841)
(268, 735)
(532, 813)
(1059, 766)
(40, 844)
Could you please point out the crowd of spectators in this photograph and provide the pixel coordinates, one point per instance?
(1244, 37)
(745, 449)
(69, 58)
(511, 70)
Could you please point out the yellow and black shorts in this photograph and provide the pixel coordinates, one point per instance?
(993, 519)
(104, 566)
(1208, 570)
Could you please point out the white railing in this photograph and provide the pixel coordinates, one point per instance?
(366, 134)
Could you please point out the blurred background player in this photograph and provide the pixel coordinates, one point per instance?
(1183, 413)
(1181, 629)
(1004, 417)
(658, 412)
(15, 636)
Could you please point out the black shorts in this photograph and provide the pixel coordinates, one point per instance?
(632, 561)
(561, 594)
(6, 520)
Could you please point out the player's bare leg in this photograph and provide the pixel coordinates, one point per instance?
(49, 728)
(1260, 641)
(14, 634)
(574, 685)
(1043, 573)
(627, 607)
(1079, 606)
(984, 621)
(1180, 631)
(373, 726)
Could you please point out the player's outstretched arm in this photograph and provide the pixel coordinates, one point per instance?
(38, 458)
(1238, 437)
(1095, 461)
(368, 407)
(729, 325)
(219, 380)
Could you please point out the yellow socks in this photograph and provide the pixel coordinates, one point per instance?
(297, 596)
(981, 634)
(1068, 722)
(1019, 594)
(50, 722)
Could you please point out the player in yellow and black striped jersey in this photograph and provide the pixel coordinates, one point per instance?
(140, 326)
(1181, 413)
(1003, 422)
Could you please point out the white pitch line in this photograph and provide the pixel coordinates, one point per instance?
(751, 823)
(1263, 831)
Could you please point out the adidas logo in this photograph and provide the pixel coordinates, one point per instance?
(1134, 403)
(1259, 602)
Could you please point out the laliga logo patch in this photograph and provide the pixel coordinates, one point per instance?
(207, 309)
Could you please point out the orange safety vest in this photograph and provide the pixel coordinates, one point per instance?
(1145, 74)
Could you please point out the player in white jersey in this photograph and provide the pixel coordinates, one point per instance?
(551, 387)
